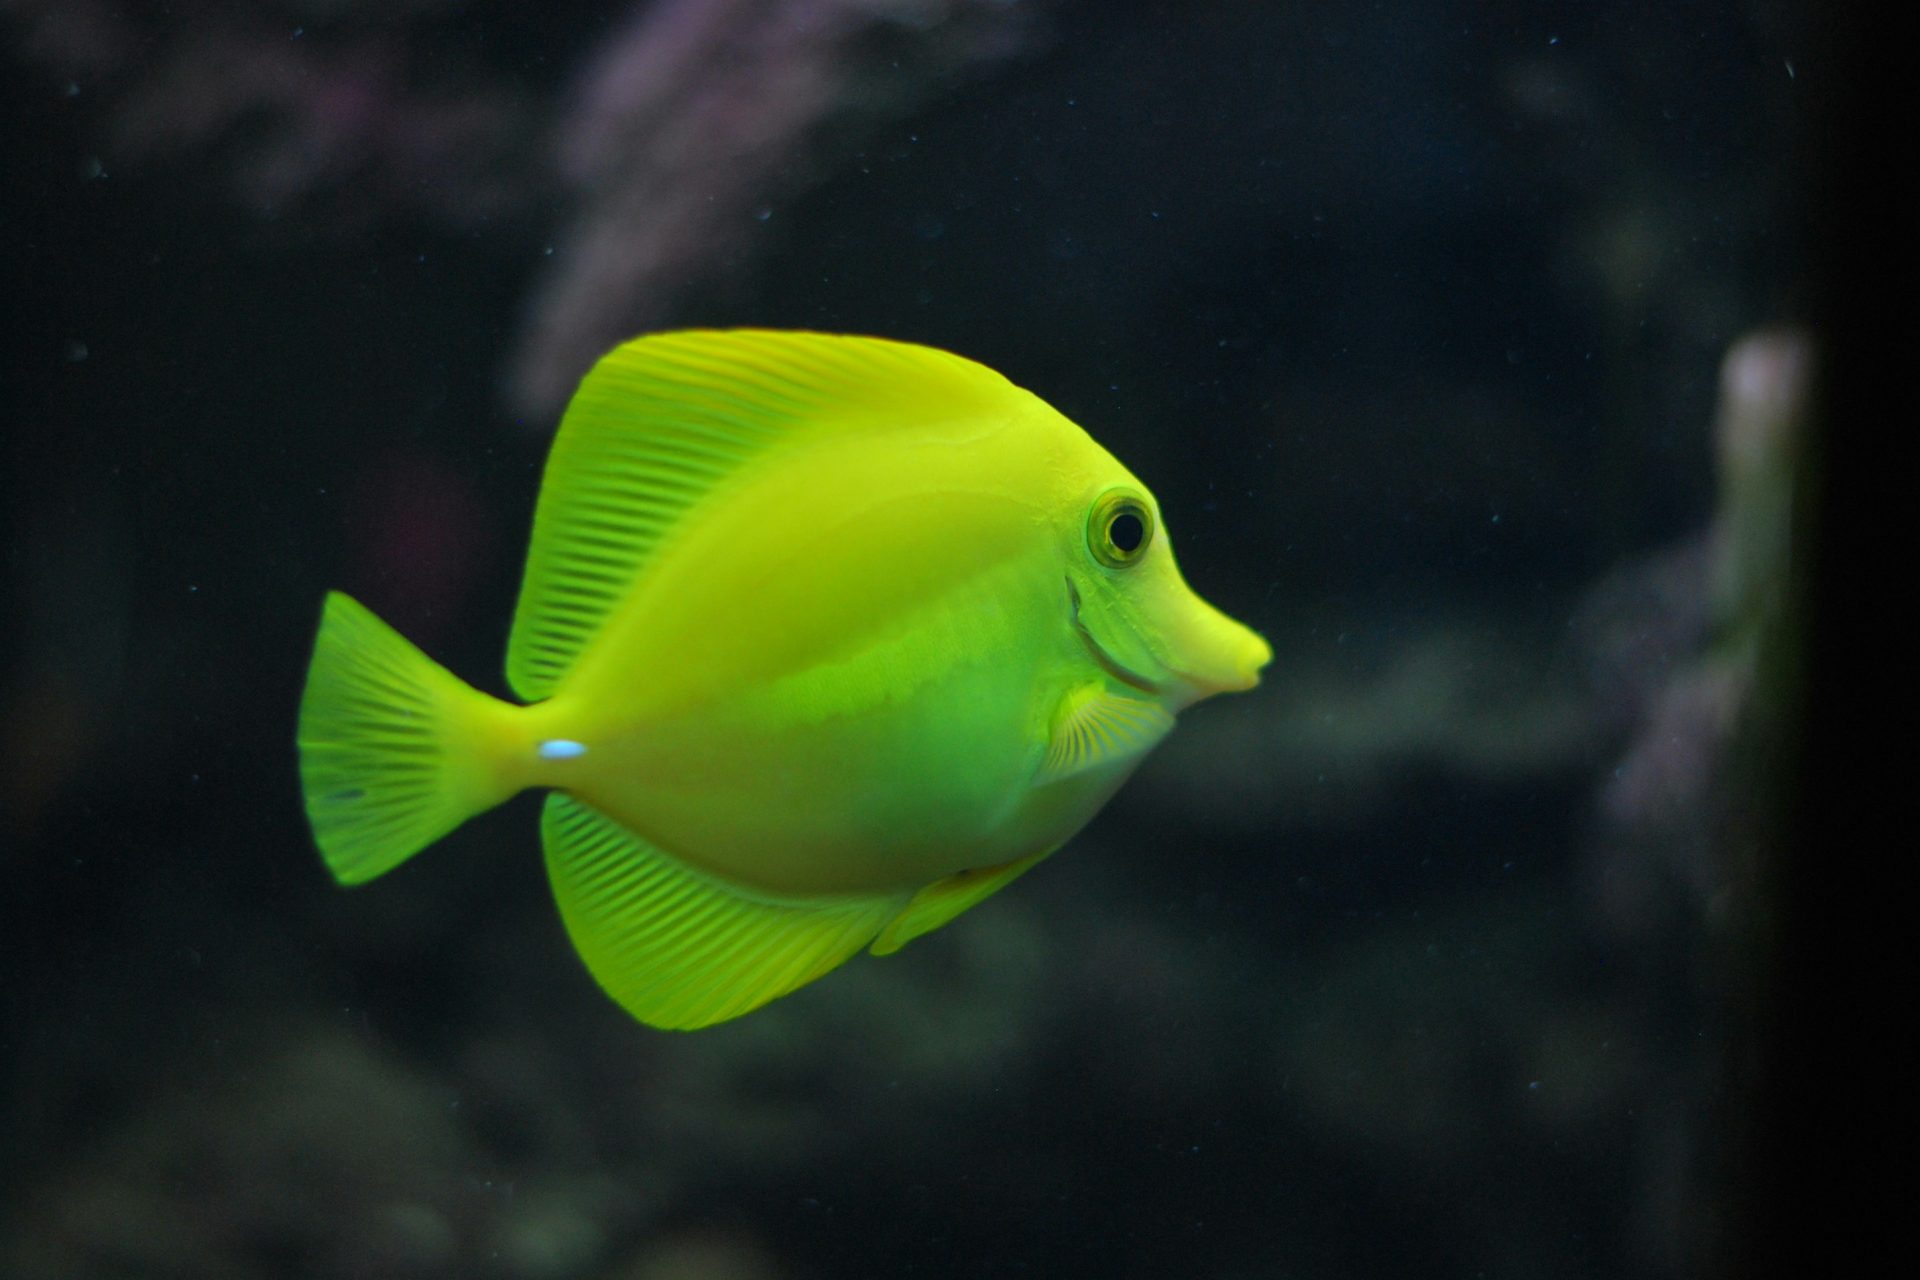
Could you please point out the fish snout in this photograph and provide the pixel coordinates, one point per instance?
(1214, 653)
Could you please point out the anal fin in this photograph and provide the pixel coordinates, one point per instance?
(678, 949)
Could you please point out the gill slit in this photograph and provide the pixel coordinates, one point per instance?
(1107, 661)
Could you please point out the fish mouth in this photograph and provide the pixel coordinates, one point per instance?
(1112, 665)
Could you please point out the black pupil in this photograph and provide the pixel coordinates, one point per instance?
(1126, 532)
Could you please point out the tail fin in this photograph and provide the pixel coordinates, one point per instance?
(393, 747)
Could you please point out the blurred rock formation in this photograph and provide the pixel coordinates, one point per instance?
(657, 159)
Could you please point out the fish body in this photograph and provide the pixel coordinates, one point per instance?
(823, 639)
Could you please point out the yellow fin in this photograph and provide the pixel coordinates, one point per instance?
(942, 900)
(663, 420)
(680, 950)
(1095, 726)
(393, 747)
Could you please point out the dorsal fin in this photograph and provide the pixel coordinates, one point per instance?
(663, 420)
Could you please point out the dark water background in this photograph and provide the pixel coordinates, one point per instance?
(1415, 963)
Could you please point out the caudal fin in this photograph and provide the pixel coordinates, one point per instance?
(392, 745)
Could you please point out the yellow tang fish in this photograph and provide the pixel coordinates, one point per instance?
(824, 640)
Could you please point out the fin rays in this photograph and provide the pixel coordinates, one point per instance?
(660, 422)
(1095, 726)
(681, 950)
(389, 761)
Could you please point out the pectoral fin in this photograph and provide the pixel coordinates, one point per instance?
(1095, 726)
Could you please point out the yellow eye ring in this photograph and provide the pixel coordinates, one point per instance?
(1119, 529)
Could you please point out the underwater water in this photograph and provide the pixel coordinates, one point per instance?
(1462, 347)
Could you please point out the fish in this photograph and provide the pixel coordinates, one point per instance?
(821, 641)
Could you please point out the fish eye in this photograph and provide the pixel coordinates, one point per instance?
(1119, 529)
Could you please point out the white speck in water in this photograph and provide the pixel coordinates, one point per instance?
(562, 749)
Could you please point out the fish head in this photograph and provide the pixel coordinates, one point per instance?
(1132, 608)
